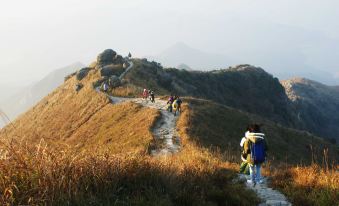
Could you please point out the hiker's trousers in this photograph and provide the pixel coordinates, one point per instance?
(255, 172)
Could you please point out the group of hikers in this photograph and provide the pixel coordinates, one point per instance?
(253, 155)
(174, 104)
(148, 94)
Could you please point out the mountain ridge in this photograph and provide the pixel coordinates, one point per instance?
(29, 96)
(315, 103)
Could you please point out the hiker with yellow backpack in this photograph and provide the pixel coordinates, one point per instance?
(244, 166)
(176, 105)
(255, 148)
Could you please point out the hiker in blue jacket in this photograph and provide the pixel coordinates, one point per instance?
(255, 148)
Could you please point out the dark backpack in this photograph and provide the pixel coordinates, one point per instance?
(258, 153)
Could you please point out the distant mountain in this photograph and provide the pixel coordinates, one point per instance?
(7, 90)
(317, 106)
(181, 53)
(185, 67)
(29, 96)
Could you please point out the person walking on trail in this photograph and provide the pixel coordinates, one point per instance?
(255, 148)
(145, 94)
(177, 105)
(104, 87)
(149, 94)
(244, 166)
(152, 96)
(169, 103)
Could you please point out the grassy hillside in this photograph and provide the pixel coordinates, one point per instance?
(316, 103)
(75, 148)
(78, 149)
(302, 166)
(311, 185)
(85, 120)
(244, 87)
(25, 98)
(213, 125)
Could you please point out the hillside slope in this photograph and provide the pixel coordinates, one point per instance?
(244, 87)
(21, 101)
(209, 124)
(101, 150)
(84, 119)
(317, 106)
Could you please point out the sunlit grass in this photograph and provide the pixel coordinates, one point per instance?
(308, 185)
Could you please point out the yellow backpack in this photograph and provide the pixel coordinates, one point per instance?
(175, 105)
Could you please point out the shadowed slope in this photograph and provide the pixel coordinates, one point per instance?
(214, 125)
(316, 104)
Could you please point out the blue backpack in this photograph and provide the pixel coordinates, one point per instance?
(258, 153)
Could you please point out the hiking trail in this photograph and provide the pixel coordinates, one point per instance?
(269, 196)
(165, 134)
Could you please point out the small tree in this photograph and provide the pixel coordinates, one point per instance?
(129, 55)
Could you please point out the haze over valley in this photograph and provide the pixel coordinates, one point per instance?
(145, 102)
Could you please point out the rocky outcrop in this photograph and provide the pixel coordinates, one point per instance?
(106, 58)
(114, 81)
(316, 105)
(110, 63)
(82, 73)
(107, 71)
(118, 60)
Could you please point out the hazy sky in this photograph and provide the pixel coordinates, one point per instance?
(38, 36)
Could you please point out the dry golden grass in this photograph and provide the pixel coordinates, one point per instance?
(119, 128)
(303, 185)
(84, 120)
(127, 90)
(309, 185)
(39, 175)
(77, 149)
(60, 114)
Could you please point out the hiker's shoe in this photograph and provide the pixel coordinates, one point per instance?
(251, 182)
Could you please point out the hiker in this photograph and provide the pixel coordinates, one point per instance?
(152, 96)
(149, 94)
(255, 148)
(169, 103)
(145, 94)
(104, 87)
(177, 105)
(244, 167)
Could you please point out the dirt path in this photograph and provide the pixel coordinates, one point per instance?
(168, 142)
(164, 132)
(127, 70)
(269, 196)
